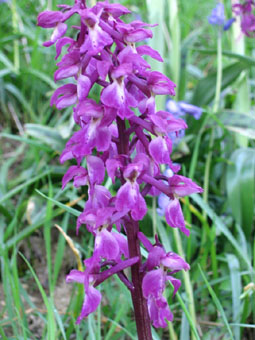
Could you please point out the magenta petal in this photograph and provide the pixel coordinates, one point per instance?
(112, 165)
(62, 42)
(75, 276)
(103, 139)
(183, 186)
(167, 123)
(175, 282)
(159, 150)
(104, 216)
(126, 197)
(106, 245)
(66, 72)
(87, 109)
(159, 311)
(99, 197)
(88, 217)
(140, 209)
(113, 95)
(90, 304)
(122, 242)
(147, 243)
(103, 68)
(147, 50)
(174, 262)
(95, 41)
(83, 87)
(64, 96)
(124, 69)
(160, 84)
(116, 10)
(153, 283)
(154, 258)
(49, 19)
(74, 171)
(58, 32)
(138, 35)
(96, 169)
(174, 216)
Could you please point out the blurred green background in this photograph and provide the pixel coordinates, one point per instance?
(217, 297)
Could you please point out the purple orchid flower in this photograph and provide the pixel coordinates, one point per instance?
(123, 134)
(160, 267)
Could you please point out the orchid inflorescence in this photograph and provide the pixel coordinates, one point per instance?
(124, 135)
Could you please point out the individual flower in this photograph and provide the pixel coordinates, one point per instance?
(52, 19)
(159, 267)
(169, 206)
(129, 197)
(217, 17)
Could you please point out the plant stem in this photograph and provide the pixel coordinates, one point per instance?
(140, 304)
(175, 34)
(206, 230)
(13, 6)
(142, 318)
(215, 109)
(154, 215)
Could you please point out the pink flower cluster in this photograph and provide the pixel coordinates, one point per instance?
(122, 135)
(246, 11)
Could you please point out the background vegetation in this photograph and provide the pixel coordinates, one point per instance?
(217, 297)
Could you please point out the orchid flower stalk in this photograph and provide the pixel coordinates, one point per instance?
(121, 134)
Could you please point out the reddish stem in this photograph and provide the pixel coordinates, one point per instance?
(139, 302)
(142, 318)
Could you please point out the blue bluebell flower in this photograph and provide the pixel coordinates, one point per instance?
(181, 108)
(228, 24)
(217, 17)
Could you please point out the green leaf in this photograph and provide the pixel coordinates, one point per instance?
(20, 97)
(220, 226)
(42, 76)
(235, 277)
(217, 303)
(241, 123)
(72, 211)
(50, 308)
(26, 140)
(23, 185)
(6, 62)
(247, 60)
(46, 134)
(188, 316)
(205, 90)
(241, 187)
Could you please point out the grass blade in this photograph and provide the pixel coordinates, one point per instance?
(217, 303)
(222, 228)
